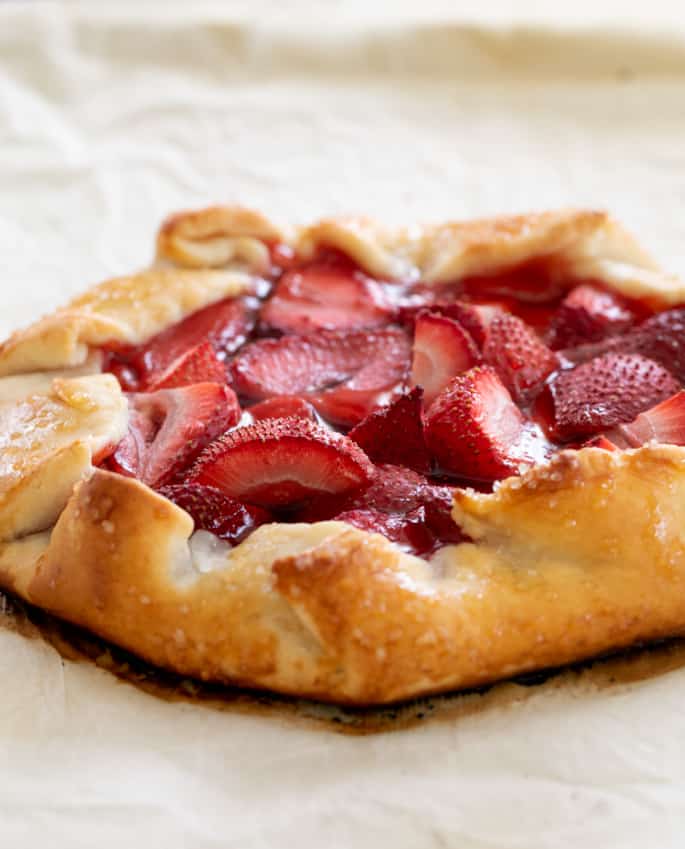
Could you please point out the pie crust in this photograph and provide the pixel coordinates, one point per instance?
(581, 555)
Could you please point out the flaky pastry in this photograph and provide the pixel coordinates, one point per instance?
(573, 552)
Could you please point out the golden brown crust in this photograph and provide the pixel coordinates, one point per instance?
(583, 244)
(218, 236)
(583, 555)
(126, 310)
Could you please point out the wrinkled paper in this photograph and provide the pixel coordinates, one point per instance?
(110, 118)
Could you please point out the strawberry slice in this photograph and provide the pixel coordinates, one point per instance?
(394, 434)
(395, 491)
(663, 423)
(608, 390)
(225, 325)
(345, 375)
(588, 314)
(283, 407)
(474, 429)
(325, 296)
(409, 531)
(215, 512)
(198, 365)
(474, 318)
(169, 428)
(281, 462)
(442, 349)
(660, 338)
(519, 357)
(601, 441)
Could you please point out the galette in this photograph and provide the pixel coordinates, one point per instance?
(352, 463)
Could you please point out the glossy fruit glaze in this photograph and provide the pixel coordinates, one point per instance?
(326, 393)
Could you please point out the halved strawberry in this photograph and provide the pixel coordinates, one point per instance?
(474, 318)
(281, 462)
(409, 531)
(198, 365)
(442, 349)
(660, 338)
(283, 407)
(394, 434)
(474, 429)
(325, 296)
(606, 391)
(663, 423)
(395, 491)
(167, 430)
(215, 512)
(225, 325)
(520, 358)
(345, 375)
(588, 314)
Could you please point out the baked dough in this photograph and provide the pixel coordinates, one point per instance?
(582, 555)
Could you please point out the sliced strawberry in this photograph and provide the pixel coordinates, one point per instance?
(169, 428)
(394, 434)
(408, 531)
(474, 318)
(663, 423)
(281, 462)
(325, 296)
(515, 351)
(442, 349)
(395, 491)
(588, 314)
(225, 325)
(283, 407)
(198, 365)
(215, 512)
(345, 375)
(474, 429)
(606, 391)
(660, 338)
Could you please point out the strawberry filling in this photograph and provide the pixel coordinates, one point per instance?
(329, 394)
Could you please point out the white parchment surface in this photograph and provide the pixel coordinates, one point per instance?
(112, 116)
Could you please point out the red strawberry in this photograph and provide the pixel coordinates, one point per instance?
(660, 338)
(474, 318)
(225, 325)
(283, 407)
(663, 423)
(408, 531)
(198, 365)
(606, 391)
(280, 462)
(395, 491)
(394, 434)
(588, 314)
(215, 512)
(325, 296)
(521, 360)
(169, 428)
(442, 349)
(345, 375)
(474, 429)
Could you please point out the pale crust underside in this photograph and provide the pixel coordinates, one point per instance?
(580, 556)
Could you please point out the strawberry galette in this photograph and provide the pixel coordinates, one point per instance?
(356, 464)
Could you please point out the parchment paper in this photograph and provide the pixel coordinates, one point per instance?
(110, 117)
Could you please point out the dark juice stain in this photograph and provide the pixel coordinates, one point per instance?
(76, 645)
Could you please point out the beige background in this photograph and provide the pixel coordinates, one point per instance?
(110, 117)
